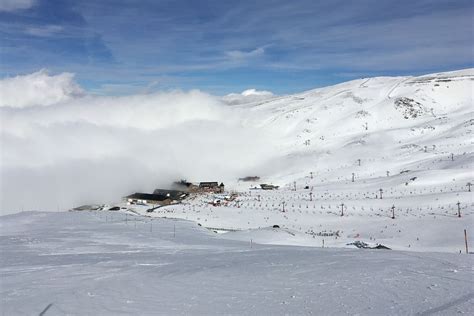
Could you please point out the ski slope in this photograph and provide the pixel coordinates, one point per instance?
(410, 137)
(109, 263)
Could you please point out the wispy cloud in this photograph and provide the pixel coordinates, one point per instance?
(14, 5)
(44, 31)
(240, 55)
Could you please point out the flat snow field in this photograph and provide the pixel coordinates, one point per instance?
(105, 263)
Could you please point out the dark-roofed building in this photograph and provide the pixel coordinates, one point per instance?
(265, 186)
(147, 198)
(211, 187)
(208, 184)
(173, 194)
(159, 196)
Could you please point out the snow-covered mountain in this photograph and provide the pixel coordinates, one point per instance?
(391, 124)
(369, 149)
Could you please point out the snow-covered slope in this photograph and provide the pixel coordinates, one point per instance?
(410, 137)
(90, 263)
(377, 119)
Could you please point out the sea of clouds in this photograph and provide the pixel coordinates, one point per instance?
(62, 147)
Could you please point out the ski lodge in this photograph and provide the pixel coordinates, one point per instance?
(214, 187)
(158, 197)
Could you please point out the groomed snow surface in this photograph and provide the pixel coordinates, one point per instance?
(109, 263)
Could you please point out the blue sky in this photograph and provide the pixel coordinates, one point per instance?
(121, 47)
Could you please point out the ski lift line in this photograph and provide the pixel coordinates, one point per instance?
(396, 86)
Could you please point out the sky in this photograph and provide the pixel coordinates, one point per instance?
(123, 47)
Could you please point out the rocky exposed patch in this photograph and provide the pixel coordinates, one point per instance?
(362, 113)
(409, 107)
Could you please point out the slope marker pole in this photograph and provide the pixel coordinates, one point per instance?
(465, 241)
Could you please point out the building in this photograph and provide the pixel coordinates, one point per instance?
(148, 198)
(159, 197)
(214, 187)
(173, 194)
(268, 186)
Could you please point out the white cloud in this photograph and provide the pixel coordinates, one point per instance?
(240, 55)
(254, 92)
(44, 31)
(99, 148)
(38, 88)
(247, 96)
(13, 5)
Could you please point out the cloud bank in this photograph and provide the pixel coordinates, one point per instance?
(38, 88)
(62, 147)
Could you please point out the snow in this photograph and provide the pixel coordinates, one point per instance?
(413, 136)
(109, 263)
